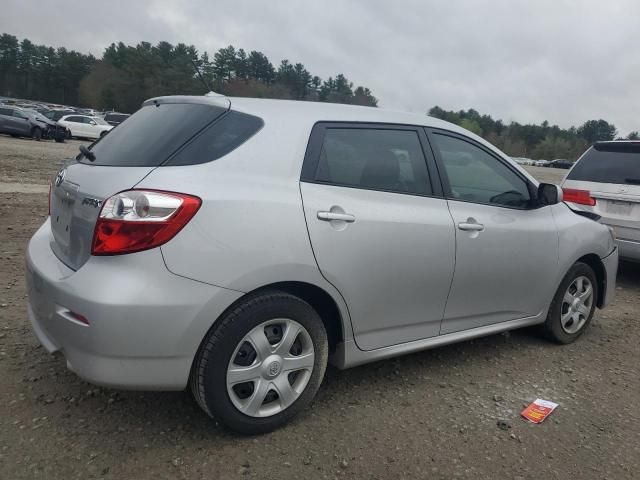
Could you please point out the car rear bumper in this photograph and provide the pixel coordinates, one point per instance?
(629, 249)
(145, 323)
(610, 263)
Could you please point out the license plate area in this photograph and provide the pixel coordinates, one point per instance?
(619, 208)
(63, 202)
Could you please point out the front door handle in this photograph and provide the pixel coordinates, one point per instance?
(471, 226)
(328, 216)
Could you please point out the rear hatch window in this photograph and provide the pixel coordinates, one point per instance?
(174, 134)
(609, 163)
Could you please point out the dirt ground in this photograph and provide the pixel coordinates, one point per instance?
(428, 415)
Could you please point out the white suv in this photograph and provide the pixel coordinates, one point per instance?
(605, 182)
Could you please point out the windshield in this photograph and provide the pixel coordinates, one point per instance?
(609, 163)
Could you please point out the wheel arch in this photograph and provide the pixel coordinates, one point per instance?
(333, 314)
(321, 301)
(597, 266)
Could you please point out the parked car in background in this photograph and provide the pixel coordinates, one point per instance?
(114, 118)
(523, 161)
(20, 122)
(57, 114)
(52, 130)
(372, 234)
(84, 126)
(606, 181)
(88, 111)
(560, 163)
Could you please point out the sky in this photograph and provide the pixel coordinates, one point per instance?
(527, 61)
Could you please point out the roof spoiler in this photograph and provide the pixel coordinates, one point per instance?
(211, 98)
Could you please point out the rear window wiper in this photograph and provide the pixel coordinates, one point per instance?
(633, 181)
(88, 154)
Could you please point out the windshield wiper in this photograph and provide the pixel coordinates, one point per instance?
(88, 154)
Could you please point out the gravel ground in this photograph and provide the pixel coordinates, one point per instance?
(429, 415)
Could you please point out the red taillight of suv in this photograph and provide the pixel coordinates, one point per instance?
(138, 220)
(582, 197)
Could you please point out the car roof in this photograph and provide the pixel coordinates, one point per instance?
(311, 112)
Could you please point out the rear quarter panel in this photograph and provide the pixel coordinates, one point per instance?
(250, 230)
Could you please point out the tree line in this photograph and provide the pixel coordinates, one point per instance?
(126, 75)
(542, 141)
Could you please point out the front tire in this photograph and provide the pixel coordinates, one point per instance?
(573, 305)
(261, 364)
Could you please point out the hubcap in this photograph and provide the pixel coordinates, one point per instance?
(576, 305)
(270, 367)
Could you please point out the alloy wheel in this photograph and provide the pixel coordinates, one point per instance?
(576, 305)
(270, 368)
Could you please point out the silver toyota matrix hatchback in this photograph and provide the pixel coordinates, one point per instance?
(239, 245)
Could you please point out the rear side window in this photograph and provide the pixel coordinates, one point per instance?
(153, 134)
(618, 164)
(217, 140)
(6, 111)
(376, 159)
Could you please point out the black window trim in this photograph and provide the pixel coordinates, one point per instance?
(442, 173)
(316, 139)
(199, 133)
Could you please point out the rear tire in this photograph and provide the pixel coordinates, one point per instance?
(256, 406)
(36, 134)
(573, 305)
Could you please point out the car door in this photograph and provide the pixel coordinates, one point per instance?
(91, 128)
(74, 124)
(6, 121)
(379, 228)
(21, 123)
(506, 244)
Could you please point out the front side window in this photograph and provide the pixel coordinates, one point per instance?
(476, 176)
(375, 159)
(19, 114)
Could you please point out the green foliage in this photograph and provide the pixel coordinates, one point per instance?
(597, 130)
(37, 71)
(542, 141)
(127, 75)
(633, 136)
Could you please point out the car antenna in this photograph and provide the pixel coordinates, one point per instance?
(202, 79)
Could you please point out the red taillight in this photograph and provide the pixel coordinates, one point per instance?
(582, 197)
(138, 220)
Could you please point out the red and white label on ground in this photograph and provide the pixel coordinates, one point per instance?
(538, 410)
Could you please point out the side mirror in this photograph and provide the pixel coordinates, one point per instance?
(549, 194)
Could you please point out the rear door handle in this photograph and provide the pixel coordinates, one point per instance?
(471, 227)
(328, 216)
